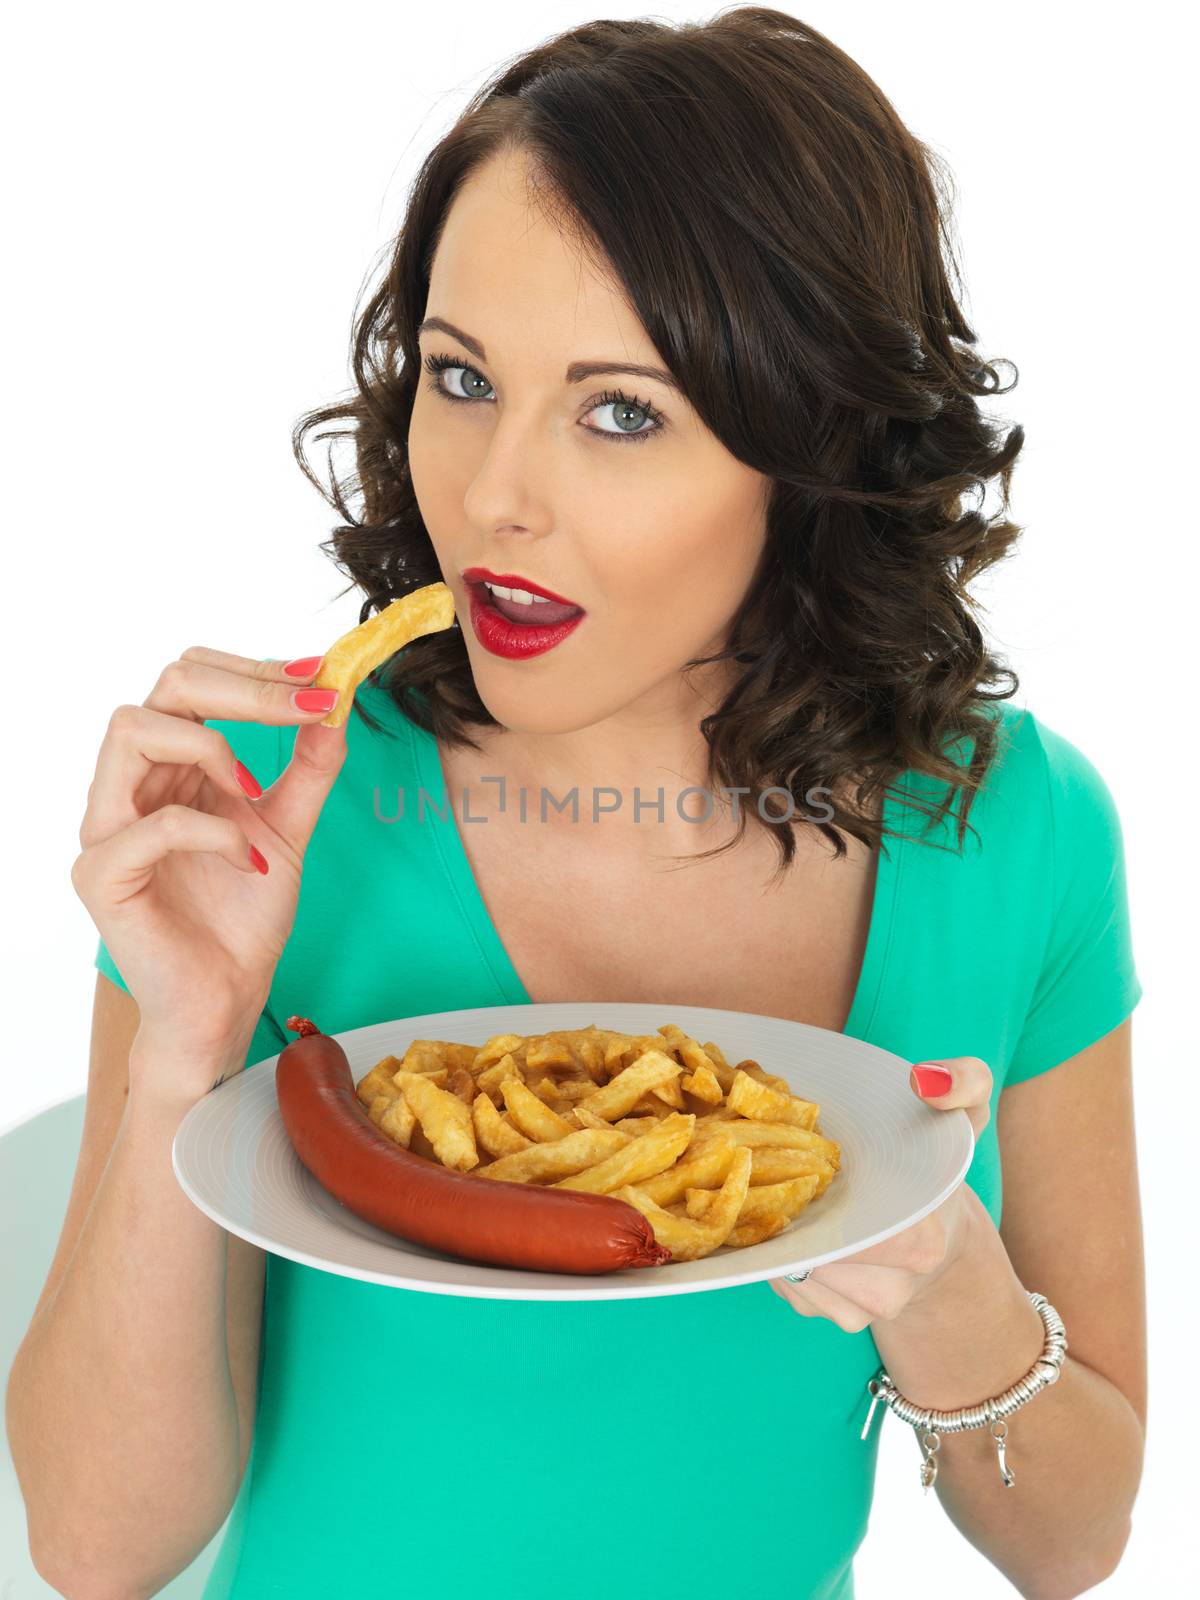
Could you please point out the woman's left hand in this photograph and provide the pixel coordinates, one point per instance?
(884, 1280)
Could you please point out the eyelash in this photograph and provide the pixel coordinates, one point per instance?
(438, 364)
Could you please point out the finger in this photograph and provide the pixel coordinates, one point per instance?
(293, 803)
(301, 669)
(881, 1292)
(137, 739)
(811, 1299)
(112, 872)
(201, 688)
(970, 1087)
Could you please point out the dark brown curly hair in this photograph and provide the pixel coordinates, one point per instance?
(784, 240)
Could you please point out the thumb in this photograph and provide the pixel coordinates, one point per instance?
(956, 1083)
(293, 802)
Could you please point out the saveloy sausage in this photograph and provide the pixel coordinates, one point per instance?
(480, 1219)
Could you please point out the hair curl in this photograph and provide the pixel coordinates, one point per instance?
(800, 297)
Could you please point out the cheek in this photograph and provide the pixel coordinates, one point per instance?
(685, 558)
(662, 607)
(422, 435)
(431, 466)
(693, 528)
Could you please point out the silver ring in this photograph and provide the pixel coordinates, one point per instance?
(798, 1277)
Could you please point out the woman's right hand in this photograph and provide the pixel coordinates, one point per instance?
(165, 869)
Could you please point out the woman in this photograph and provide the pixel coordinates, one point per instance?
(667, 334)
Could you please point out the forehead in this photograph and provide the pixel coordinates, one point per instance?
(504, 272)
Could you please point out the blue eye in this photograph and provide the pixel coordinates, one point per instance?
(611, 397)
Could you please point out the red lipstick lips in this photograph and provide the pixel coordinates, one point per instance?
(501, 624)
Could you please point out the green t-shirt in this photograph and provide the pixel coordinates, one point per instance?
(412, 1444)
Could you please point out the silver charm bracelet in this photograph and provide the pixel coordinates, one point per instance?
(990, 1414)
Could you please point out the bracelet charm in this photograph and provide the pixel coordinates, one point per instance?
(930, 1424)
(930, 1445)
(999, 1432)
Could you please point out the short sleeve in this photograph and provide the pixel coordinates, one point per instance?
(259, 746)
(1088, 982)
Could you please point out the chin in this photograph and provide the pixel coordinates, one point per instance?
(528, 707)
(516, 713)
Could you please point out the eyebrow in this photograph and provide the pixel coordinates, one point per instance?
(576, 372)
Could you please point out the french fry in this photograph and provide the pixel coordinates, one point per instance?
(490, 1079)
(774, 1164)
(748, 1132)
(548, 1053)
(378, 1081)
(790, 1198)
(764, 1227)
(704, 1085)
(356, 654)
(588, 1119)
(492, 1132)
(649, 1108)
(377, 1109)
(558, 1158)
(753, 1070)
(686, 1238)
(419, 1143)
(532, 1115)
(670, 1094)
(497, 1047)
(620, 1050)
(640, 1158)
(444, 1118)
(462, 1084)
(398, 1120)
(574, 1090)
(439, 1075)
(590, 1052)
(547, 1091)
(754, 1099)
(619, 1097)
(422, 1055)
(430, 1055)
(708, 1170)
(695, 1056)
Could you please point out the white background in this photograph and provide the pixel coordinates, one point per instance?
(195, 197)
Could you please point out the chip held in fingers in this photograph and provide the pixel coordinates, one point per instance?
(357, 653)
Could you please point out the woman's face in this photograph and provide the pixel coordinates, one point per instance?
(630, 509)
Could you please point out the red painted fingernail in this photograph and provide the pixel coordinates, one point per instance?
(304, 667)
(247, 780)
(932, 1080)
(259, 860)
(314, 699)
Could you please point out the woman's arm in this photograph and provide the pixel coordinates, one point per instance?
(122, 1418)
(1071, 1229)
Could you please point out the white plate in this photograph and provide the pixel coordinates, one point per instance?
(900, 1159)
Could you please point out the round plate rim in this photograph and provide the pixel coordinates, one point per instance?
(480, 1278)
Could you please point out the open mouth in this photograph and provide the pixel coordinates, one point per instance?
(528, 609)
(520, 601)
(516, 619)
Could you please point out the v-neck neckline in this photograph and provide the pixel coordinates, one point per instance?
(461, 877)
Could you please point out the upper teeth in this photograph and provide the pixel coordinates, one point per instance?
(521, 596)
